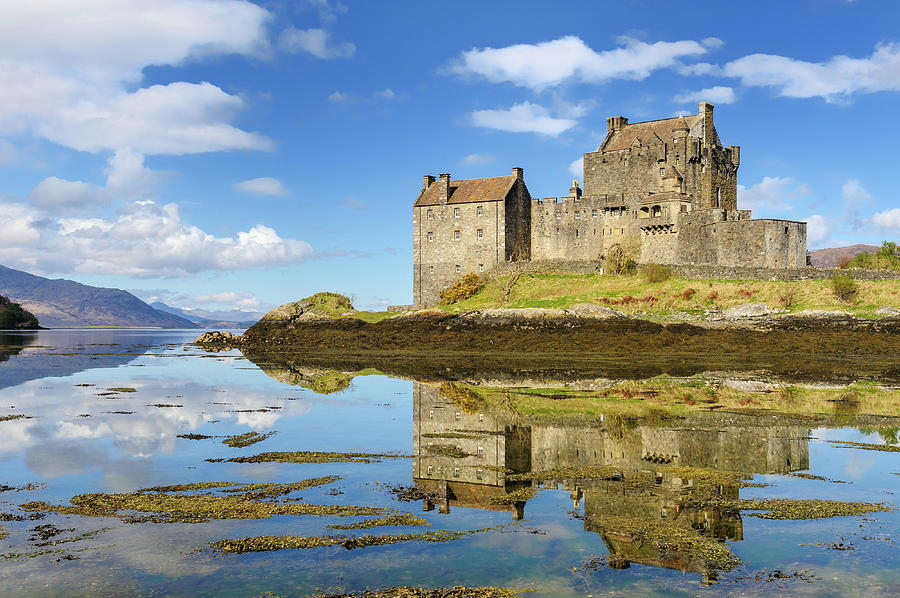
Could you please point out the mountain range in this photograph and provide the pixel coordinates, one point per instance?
(231, 318)
(833, 256)
(65, 303)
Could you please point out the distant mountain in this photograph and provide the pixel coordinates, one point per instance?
(60, 303)
(232, 318)
(833, 256)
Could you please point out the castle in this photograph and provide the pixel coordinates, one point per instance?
(663, 189)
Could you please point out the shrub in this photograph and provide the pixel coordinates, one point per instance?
(886, 258)
(788, 297)
(657, 273)
(844, 288)
(621, 259)
(461, 290)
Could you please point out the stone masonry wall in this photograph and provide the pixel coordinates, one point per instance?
(440, 258)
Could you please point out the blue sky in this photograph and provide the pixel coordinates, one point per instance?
(221, 154)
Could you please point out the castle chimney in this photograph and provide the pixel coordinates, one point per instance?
(518, 173)
(428, 180)
(616, 123)
(575, 190)
(445, 187)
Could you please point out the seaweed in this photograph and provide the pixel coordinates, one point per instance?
(310, 457)
(166, 505)
(446, 450)
(888, 448)
(268, 543)
(6, 418)
(245, 440)
(792, 508)
(520, 495)
(415, 592)
(194, 436)
(122, 389)
(390, 520)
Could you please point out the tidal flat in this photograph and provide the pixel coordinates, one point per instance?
(287, 473)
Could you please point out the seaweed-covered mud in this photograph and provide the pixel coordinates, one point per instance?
(794, 347)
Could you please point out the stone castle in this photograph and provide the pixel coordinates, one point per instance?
(665, 190)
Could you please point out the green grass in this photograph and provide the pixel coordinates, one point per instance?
(633, 295)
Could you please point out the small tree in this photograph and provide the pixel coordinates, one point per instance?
(657, 273)
(506, 276)
(621, 259)
(844, 288)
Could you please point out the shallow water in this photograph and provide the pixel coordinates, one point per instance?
(80, 437)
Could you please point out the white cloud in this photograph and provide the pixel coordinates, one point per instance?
(818, 229)
(264, 185)
(576, 168)
(317, 42)
(385, 94)
(127, 177)
(356, 204)
(54, 193)
(143, 239)
(68, 73)
(231, 299)
(712, 43)
(339, 97)
(475, 159)
(524, 117)
(550, 63)
(888, 220)
(833, 80)
(771, 193)
(853, 191)
(715, 95)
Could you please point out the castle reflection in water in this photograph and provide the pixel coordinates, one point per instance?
(495, 444)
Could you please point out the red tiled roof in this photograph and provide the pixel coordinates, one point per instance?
(468, 190)
(645, 131)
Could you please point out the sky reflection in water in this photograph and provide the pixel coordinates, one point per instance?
(129, 440)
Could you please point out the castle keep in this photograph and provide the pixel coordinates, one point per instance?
(665, 190)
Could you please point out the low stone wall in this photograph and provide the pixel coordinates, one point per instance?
(754, 273)
(398, 308)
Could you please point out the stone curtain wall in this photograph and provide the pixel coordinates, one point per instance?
(566, 228)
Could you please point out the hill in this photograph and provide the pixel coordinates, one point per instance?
(233, 318)
(833, 256)
(61, 303)
(13, 317)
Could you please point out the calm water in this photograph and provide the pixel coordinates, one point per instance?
(80, 437)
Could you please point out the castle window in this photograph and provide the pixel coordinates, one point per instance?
(593, 213)
(559, 215)
(481, 210)
(683, 208)
(456, 235)
(662, 172)
(577, 214)
(456, 472)
(430, 237)
(456, 212)
(458, 269)
(480, 233)
(576, 232)
(481, 267)
(458, 415)
(481, 417)
(677, 160)
(430, 470)
(431, 269)
(430, 214)
(431, 414)
(479, 473)
(481, 451)
(785, 230)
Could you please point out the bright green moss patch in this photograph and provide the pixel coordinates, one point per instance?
(310, 457)
(390, 520)
(247, 439)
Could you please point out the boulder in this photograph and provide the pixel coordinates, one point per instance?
(887, 310)
(216, 337)
(747, 310)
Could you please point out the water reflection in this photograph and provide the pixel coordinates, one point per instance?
(465, 456)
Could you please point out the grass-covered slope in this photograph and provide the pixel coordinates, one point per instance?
(633, 295)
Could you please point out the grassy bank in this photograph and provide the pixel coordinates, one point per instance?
(673, 297)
